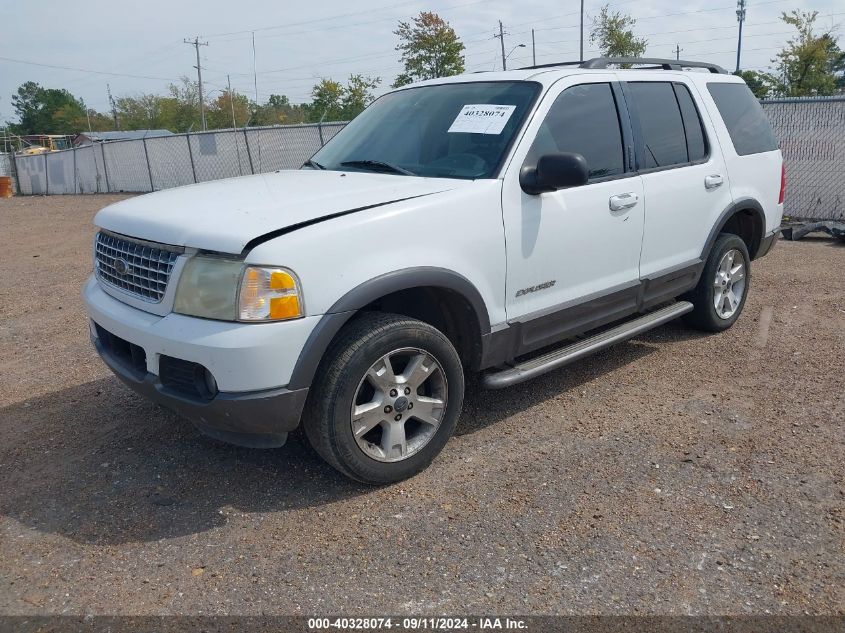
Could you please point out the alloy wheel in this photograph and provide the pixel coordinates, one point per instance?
(729, 284)
(399, 404)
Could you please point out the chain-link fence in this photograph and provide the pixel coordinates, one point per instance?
(811, 132)
(162, 162)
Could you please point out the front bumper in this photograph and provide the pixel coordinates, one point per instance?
(247, 361)
(259, 419)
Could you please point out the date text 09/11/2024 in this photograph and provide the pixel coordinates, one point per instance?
(414, 624)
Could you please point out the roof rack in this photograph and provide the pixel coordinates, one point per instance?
(552, 65)
(655, 63)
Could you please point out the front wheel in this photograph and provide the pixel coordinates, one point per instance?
(720, 295)
(386, 400)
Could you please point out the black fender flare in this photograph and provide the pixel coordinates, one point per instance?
(739, 205)
(349, 304)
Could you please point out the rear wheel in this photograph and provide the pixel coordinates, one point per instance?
(720, 295)
(386, 400)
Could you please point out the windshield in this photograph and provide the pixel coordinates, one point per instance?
(446, 131)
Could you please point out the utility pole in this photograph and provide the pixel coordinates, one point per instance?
(533, 50)
(196, 44)
(581, 53)
(254, 71)
(113, 109)
(678, 50)
(231, 101)
(740, 17)
(501, 37)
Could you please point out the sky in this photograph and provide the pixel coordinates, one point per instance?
(138, 47)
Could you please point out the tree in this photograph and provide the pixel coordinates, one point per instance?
(358, 95)
(141, 113)
(183, 107)
(613, 32)
(327, 101)
(99, 122)
(760, 83)
(219, 113)
(47, 110)
(809, 64)
(278, 110)
(430, 48)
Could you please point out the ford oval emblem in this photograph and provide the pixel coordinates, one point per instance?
(121, 266)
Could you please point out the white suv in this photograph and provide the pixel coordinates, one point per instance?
(507, 223)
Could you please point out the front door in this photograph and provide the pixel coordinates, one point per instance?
(573, 254)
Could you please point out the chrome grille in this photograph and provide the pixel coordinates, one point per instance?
(136, 267)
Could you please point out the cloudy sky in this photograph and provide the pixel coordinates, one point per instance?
(137, 47)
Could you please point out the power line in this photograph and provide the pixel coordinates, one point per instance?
(336, 17)
(247, 34)
(83, 70)
(470, 53)
(377, 55)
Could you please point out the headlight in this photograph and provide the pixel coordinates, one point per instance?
(268, 294)
(208, 287)
(228, 290)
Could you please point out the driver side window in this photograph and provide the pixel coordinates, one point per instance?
(584, 120)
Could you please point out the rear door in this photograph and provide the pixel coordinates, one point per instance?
(750, 147)
(685, 181)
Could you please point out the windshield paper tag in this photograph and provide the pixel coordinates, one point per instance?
(482, 118)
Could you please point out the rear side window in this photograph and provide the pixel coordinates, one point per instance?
(664, 142)
(696, 143)
(584, 120)
(744, 117)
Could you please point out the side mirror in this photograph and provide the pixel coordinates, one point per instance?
(553, 172)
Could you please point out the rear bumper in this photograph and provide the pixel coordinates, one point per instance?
(767, 243)
(258, 419)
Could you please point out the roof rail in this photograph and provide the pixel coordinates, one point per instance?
(656, 62)
(552, 65)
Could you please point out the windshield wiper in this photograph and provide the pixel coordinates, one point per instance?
(380, 165)
(312, 163)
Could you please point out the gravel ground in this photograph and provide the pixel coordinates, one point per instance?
(675, 474)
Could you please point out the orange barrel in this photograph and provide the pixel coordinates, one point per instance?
(5, 186)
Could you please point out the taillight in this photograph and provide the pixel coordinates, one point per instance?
(782, 183)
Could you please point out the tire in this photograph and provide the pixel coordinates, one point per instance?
(731, 289)
(425, 370)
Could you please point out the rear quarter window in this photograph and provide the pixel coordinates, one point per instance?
(743, 115)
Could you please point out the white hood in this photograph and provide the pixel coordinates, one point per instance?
(225, 215)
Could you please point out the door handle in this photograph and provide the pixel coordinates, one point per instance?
(623, 201)
(713, 181)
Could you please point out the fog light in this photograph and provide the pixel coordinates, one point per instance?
(210, 382)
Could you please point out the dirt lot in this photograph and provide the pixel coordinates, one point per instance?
(679, 473)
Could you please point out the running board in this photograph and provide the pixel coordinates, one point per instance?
(565, 355)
